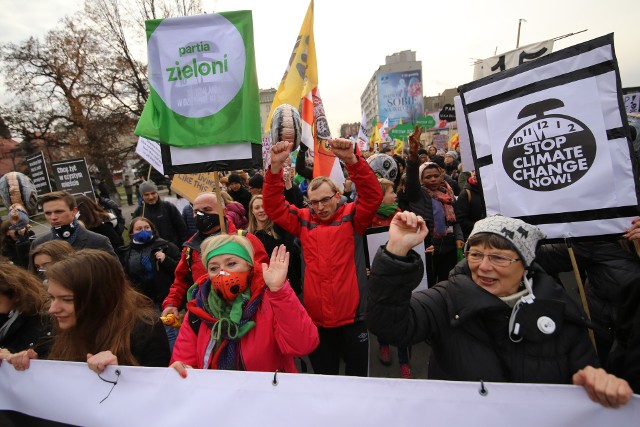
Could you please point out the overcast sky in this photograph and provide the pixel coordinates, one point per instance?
(353, 37)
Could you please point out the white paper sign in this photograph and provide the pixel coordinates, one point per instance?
(151, 153)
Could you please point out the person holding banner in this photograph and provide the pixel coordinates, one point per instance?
(334, 288)
(498, 318)
(243, 315)
(98, 317)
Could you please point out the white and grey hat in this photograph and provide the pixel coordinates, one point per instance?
(524, 237)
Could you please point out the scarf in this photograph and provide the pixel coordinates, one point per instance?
(386, 210)
(442, 205)
(229, 322)
(74, 233)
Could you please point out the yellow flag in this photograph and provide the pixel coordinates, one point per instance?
(301, 76)
(375, 137)
(398, 147)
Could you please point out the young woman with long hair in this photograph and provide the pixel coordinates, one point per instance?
(98, 317)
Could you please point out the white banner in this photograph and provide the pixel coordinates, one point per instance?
(463, 137)
(511, 59)
(550, 146)
(71, 393)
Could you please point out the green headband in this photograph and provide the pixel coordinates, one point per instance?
(231, 248)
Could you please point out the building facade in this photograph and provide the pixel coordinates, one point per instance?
(401, 76)
(266, 99)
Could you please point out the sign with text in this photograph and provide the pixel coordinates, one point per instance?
(73, 177)
(190, 185)
(38, 172)
(400, 96)
(552, 150)
(632, 102)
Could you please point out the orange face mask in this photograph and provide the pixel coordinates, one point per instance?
(228, 284)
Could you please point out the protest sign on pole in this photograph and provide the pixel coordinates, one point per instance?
(190, 185)
(73, 177)
(38, 172)
(549, 139)
(203, 106)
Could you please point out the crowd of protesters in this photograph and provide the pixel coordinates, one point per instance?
(285, 276)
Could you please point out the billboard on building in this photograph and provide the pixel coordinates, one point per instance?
(400, 96)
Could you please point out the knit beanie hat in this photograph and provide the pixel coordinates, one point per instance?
(423, 166)
(524, 237)
(256, 181)
(148, 187)
(452, 154)
(234, 177)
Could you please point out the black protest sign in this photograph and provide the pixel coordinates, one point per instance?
(73, 177)
(38, 172)
(448, 113)
(548, 140)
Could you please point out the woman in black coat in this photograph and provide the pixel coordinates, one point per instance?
(498, 318)
(149, 261)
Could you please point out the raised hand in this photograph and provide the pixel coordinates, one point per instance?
(405, 232)
(278, 154)
(275, 274)
(343, 149)
(414, 142)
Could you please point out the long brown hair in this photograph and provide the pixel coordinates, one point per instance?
(269, 226)
(106, 307)
(91, 213)
(23, 288)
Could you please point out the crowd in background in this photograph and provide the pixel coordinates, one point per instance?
(288, 278)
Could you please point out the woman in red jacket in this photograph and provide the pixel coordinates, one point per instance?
(243, 316)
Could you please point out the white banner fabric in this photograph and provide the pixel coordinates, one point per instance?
(71, 393)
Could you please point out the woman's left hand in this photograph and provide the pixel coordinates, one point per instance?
(602, 387)
(275, 274)
(98, 362)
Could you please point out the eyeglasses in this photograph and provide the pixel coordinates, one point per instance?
(323, 201)
(495, 259)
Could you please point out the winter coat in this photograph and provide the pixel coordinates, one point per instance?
(107, 230)
(157, 287)
(168, 221)
(25, 332)
(467, 326)
(190, 265)
(282, 331)
(85, 239)
(242, 196)
(334, 290)
(469, 208)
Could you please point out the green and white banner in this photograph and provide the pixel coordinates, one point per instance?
(203, 81)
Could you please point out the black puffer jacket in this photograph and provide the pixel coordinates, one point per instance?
(168, 221)
(468, 327)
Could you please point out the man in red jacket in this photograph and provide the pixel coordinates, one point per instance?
(330, 231)
(190, 267)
